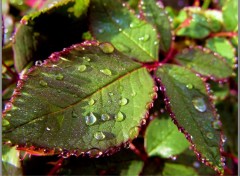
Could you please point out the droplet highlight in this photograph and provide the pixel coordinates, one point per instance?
(91, 119)
(105, 117)
(123, 101)
(82, 68)
(119, 116)
(106, 72)
(99, 135)
(106, 48)
(91, 102)
(209, 135)
(144, 38)
(43, 83)
(199, 104)
(189, 86)
(48, 129)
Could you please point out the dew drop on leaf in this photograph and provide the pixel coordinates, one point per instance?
(87, 59)
(189, 86)
(106, 72)
(82, 68)
(91, 119)
(91, 102)
(133, 132)
(5, 122)
(216, 124)
(110, 94)
(59, 76)
(119, 116)
(123, 101)
(38, 63)
(106, 48)
(133, 94)
(144, 38)
(99, 135)
(43, 83)
(105, 117)
(199, 104)
(48, 129)
(135, 24)
(209, 135)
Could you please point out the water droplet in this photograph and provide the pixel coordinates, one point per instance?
(217, 124)
(5, 122)
(189, 86)
(105, 117)
(119, 116)
(173, 158)
(224, 138)
(123, 101)
(59, 76)
(91, 102)
(48, 129)
(38, 63)
(210, 135)
(133, 94)
(133, 132)
(120, 29)
(106, 48)
(99, 135)
(196, 164)
(144, 38)
(110, 94)
(155, 43)
(82, 68)
(199, 104)
(106, 72)
(91, 119)
(43, 83)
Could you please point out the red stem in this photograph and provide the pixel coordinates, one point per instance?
(170, 55)
(229, 155)
(138, 152)
(223, 34)
(56, 167)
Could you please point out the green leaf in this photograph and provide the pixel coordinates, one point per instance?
(230, 15)
(134, 168)
(220, 91)
(112, 22)
(10, 161)
(163, 138)
(187, 99)
(47, 31)
(223, 47)
(205, 62)
(157, 16)
(176, 169)
(80, 99)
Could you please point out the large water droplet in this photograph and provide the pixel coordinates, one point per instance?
(122, 47)
(99, 135)
(123, 101)
(43, 83)
(106, 72)
(210, 135)
(5, 122)
(59, 76)
(199, 104)
(119, 116)
(82, 68)
(91, 119)
(189, 86)
(106, 48)
(105, 117)
(91, 102)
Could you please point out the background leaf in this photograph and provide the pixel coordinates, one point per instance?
(205, 63)
(10, 161)
(176, 169)
(163, 139)
(80, 99)
(223, 47)
(112, 22)
(47, 31)
(230, 15)
(157, 16)
(190, 107)
(135, 168)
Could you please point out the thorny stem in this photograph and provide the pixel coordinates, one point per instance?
(223, 34)
(56, 167)
(138, 152)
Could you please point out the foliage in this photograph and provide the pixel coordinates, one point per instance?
(126, 87)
